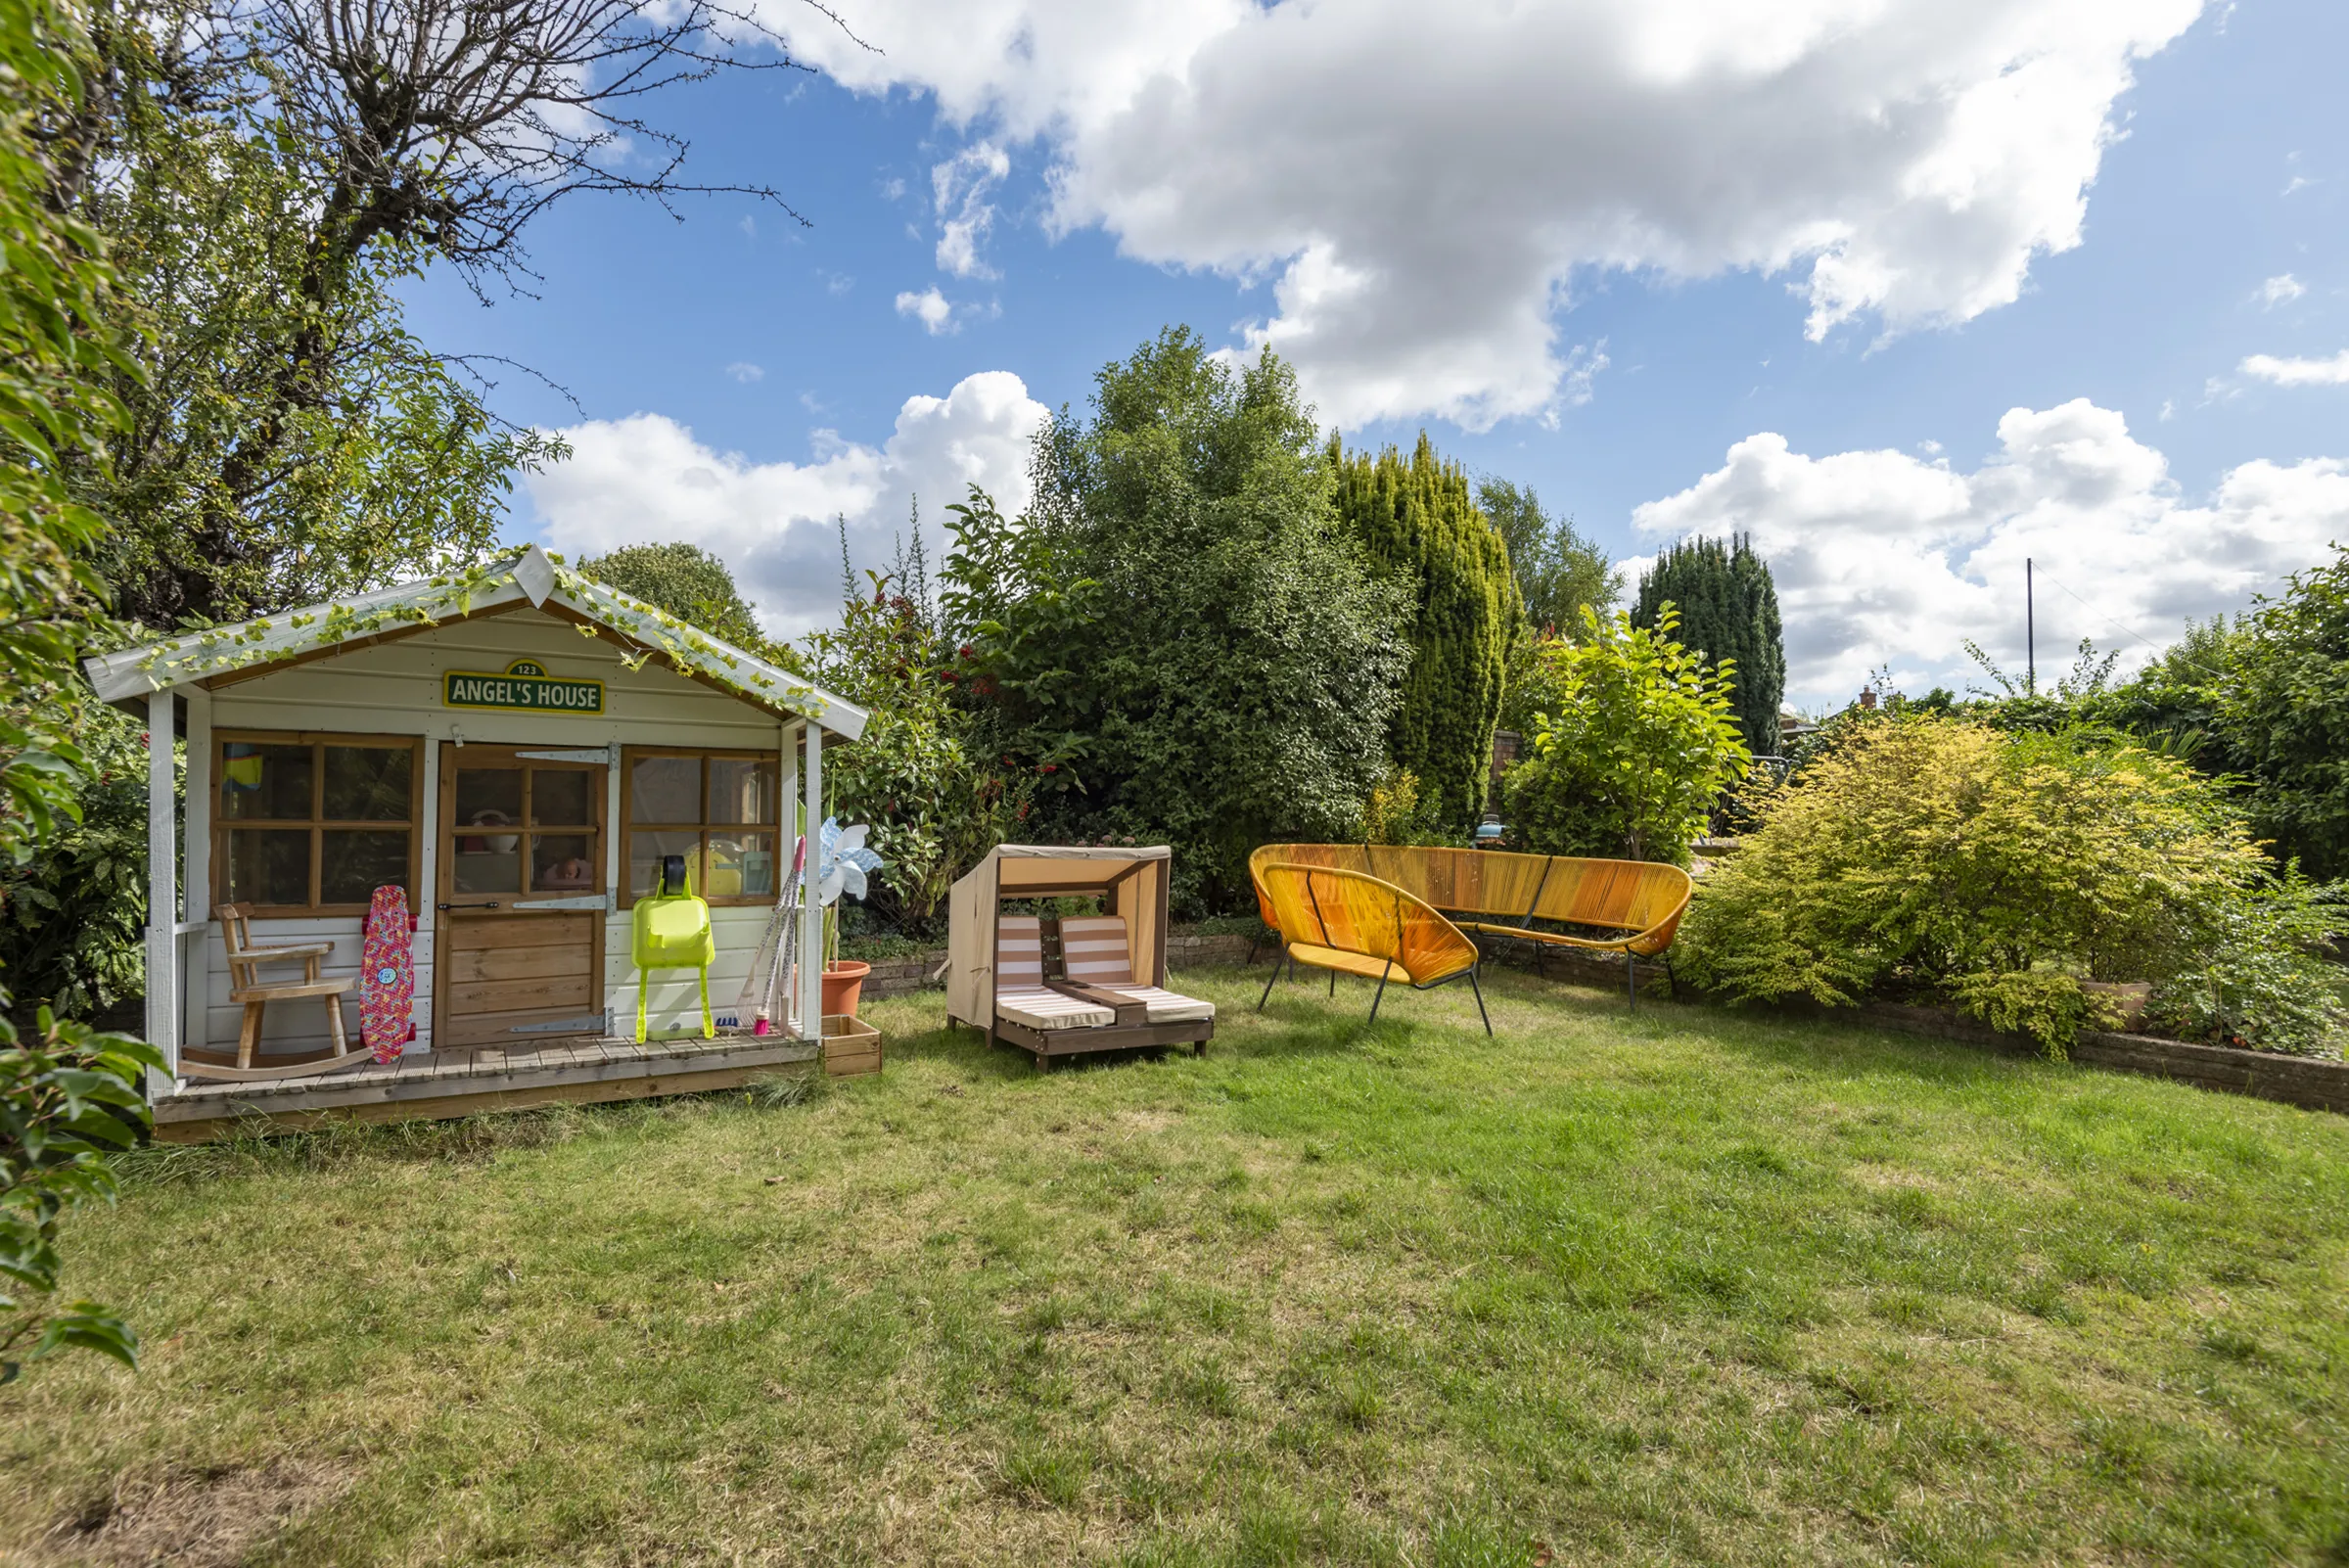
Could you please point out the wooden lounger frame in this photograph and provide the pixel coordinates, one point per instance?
(1131, 1029)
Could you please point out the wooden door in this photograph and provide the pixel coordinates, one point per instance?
(520, 899)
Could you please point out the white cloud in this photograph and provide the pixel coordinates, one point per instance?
(961, 185)
(2281, 289)
(1421, 188)
(1880, 557)
(930, 308)
(742, 370)
(647, 479)
(2334, 372)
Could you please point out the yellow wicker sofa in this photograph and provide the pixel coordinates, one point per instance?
(1633, 906)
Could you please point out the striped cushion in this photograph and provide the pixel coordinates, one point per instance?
(1019, 951)
(1166, 1006)
(1092, 949)
(1040, 1008)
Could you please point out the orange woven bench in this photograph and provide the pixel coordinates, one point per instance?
(1634, 907)
(1352, 924)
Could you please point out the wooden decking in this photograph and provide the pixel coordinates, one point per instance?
(456, 1083)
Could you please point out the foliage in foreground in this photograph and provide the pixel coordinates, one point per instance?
(70, 1094)
(1928, 855)
(1415, 518)
(68, 1101)
(1633, 744)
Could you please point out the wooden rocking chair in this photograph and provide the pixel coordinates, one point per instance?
(246, 987)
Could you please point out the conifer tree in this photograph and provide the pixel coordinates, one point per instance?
(1419, 521)
(1729, 610)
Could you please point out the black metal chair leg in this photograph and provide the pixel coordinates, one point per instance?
(1631, 974)
(1381, 992)
(1480, 1004)
(1268, 980)
(1333, 984)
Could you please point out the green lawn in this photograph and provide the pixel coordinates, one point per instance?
(1676, 1287)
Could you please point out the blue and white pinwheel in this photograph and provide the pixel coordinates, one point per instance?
(842, 861)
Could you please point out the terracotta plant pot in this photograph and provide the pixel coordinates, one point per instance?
(844, 982)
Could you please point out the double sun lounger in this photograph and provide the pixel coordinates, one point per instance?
(1095, 1005)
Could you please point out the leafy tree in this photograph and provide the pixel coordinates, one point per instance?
(2284, 713)
(692, 584)
(1728, 609)
(1559, 572)
(1632, 749)
(69, 1097)
(269, 176)
(1196, 649)
(1417, 521)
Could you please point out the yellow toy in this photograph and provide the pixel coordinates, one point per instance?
(673, 932)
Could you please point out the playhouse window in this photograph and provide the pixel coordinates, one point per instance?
(314, 823)
(717, 809)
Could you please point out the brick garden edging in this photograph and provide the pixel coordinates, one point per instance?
(2307, 1082)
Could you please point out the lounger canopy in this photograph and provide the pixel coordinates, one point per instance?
(1130, 881)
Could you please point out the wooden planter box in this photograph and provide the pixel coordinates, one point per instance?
(851, 1045)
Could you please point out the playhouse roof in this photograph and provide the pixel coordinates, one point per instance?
(531, 578)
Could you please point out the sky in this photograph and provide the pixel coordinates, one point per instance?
(1907, 292)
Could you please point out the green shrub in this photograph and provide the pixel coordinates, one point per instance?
(1396, 812)
(1921, 855)
(2256, 983)
(72, 914)
(1632, 748)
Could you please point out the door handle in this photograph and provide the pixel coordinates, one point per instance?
(490, 904)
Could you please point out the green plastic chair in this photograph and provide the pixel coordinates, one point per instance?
(673, 932)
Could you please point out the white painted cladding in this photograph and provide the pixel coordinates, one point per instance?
(396, 690)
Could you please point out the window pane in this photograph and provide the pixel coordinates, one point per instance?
(666, 789)
(559, 797)
(352, 865)
(489, 796)
(645, 851)
(742, 865)
(560, 864)
(741, 790)
(261, 783)
(367, 784)
(271, 867)
(490, 868)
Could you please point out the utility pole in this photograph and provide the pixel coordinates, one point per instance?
(2030, 637)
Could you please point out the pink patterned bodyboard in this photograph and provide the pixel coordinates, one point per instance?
(387, 975)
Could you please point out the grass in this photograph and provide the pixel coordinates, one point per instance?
(1672, 1287)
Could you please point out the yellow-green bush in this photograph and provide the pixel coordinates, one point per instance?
(1929, 856)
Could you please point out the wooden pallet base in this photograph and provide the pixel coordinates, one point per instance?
(1048, 1046)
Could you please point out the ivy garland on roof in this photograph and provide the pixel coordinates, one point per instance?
(649, 629)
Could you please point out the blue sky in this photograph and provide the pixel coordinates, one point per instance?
(782, 351)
